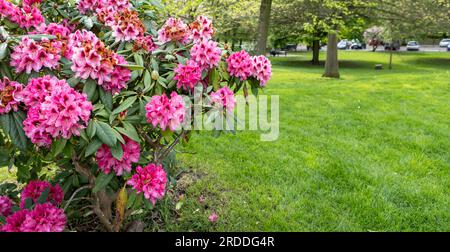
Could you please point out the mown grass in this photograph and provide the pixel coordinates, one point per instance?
(368, 152)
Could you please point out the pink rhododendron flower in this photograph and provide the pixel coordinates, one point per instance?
(9, 95)
(150, 180)
(31, 2)
(31, 17)
(97, 5)
(240, 65)
(25, 17)
(145, 43)
(206, 54)
(201, 28)
(66, 112)
(166, 112)
(119, 77)
(262, 69)
(62, 113)
(44, 218)
(224, 98)
(106, 161)
(213, 217)
(5, 206)
(126, 25)
(174, 30)
(34, 189)
(34, 128)
(15, 221)
(92, 59)
(188, 75)
(30, 55)
(38, 88)
(54, 29)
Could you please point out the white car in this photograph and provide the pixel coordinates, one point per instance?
(444, 43)
(343, 45)
(413, 46)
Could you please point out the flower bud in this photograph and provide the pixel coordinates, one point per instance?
(155, 75)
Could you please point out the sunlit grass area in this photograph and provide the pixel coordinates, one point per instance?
(368, 152)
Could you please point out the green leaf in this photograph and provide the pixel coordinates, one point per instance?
(93, 147)
(117, 151)
(182, 60)
(28, 203)
(132, 67)
(89, 88)
(125, 105)
(102, 181)
(138, 59)
(91, 129)
(129, 131)
(106, 98)
(44, 195)
(13, 125)
(58, 146)
(119, 136)
(3, 50)
(131, 199)
(38, 37)
(105, 133)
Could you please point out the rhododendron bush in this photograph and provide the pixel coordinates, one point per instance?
(98, 93)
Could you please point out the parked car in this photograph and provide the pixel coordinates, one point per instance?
(444, 43)
(448, 47)
(343, 45)
(413, 46)
(394, 46)
(356, 45)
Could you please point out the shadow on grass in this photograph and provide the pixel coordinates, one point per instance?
(343, 64)
(429, 62)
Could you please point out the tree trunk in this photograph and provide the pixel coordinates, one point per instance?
(263, 27)
(332, 63)
(390, 56)
(316, 51)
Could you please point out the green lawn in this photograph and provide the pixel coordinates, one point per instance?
(368, 152)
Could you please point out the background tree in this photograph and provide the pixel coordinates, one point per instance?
(410, 19)
(263, 26)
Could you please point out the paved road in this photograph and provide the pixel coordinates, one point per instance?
(423, 48)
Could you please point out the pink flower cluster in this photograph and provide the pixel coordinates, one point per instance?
(224, 98)
(166, 112)
(9, 95)
(97, 5)
(30, 55)
(261, 69)
(92, 59)
(38, 89)
(58, 30)
(240, 65)
(34, 189)
(174, 30)
(201, 28)
(5, 206)
(150, 180)
(206, 54)
(188, 75)
(106, 161)
(125, 24)
(145, 43)
(26, 17)
(31, 2)
(56, 110)
(43, 218)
